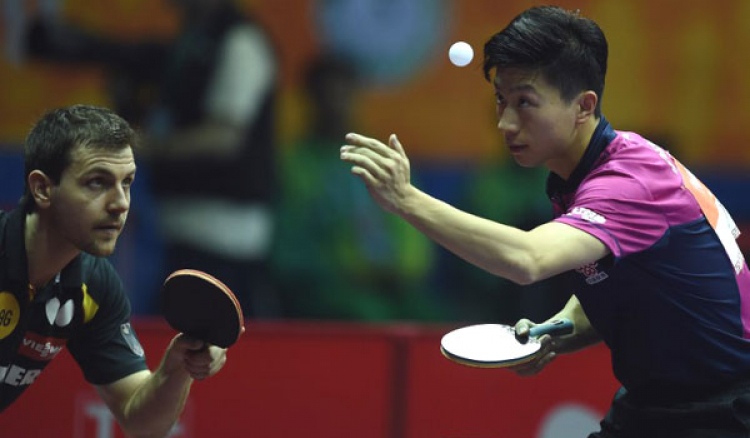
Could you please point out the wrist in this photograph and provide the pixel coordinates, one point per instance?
(410, 201)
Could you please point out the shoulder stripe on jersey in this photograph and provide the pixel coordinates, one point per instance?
(90, 307)
(718, 217)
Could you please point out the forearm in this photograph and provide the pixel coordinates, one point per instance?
(499, 249)
(157, 404)
(520, 256)
(584, 334)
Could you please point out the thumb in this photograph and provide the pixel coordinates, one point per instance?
(523, 326)
(395, 144)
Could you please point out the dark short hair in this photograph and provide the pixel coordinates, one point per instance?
(568, 50)
(50, 141)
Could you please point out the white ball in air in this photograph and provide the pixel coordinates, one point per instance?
(461, 54)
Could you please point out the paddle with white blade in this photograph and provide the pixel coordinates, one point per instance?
(496, 345)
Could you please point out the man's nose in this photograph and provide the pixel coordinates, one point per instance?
(507, 120)
(120, 200)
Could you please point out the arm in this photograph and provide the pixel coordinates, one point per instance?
(148, 404)
(521, 256)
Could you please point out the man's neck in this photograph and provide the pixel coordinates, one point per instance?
(45, 255)
(565, 165)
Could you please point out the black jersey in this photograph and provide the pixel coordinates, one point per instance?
(84, 308)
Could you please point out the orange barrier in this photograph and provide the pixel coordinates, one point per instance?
(332, 380)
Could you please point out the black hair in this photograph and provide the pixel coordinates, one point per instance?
(50, 141)
(568, 50)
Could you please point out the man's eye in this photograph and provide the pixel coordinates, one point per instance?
(96, 183)
(523, 102)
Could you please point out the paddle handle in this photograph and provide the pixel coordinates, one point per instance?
(557, 327)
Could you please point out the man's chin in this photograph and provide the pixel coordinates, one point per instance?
(524, 162)
(100, 250)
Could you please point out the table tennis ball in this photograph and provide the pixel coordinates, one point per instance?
(461, 54)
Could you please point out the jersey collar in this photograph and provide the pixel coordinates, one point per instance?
(601, 138)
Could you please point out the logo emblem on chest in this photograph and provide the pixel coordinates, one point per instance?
(57, 314)
(592, 273)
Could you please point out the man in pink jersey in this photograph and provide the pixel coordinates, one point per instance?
(651, 253)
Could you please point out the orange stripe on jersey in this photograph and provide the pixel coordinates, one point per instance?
(705, 198)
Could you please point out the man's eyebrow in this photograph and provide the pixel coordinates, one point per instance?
(105, 171)
(523, 87)
(518, 88)
(515, 88)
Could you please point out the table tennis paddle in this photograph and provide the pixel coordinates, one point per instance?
(197, 304)
(496, 345)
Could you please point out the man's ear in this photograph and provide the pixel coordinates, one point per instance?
(40, 186)
(586, 106)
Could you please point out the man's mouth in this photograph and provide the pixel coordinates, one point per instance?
(515, 148)
(114, 227)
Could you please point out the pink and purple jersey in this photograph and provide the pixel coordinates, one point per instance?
(672, 301)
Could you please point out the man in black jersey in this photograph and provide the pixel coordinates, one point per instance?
(58, 291)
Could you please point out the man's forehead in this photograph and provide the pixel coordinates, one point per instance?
(510, 80)
(92, 156)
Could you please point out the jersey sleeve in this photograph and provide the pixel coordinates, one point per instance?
(618, 209)
(106, 348)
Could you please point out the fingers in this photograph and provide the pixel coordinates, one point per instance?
(365, 176)
(184, 342)
(198, 359)
(374, 161)
(535, 366)
(543, 357)
(522, 329)
(377, 166)
(363, 150)
(204, 363)
(372, 144)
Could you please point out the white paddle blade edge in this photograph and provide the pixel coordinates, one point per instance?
(487, 346)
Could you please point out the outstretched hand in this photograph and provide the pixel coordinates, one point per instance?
(384, 169)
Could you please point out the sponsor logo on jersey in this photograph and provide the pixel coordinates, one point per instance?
(592, 273)
(14, 375)
(129, 336)
(10, 313)
(37, 347)
(664, 156)
(587, 215)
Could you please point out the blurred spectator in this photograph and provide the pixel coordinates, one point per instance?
(205, 102)
(337, 255)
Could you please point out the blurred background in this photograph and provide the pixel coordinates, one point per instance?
(243, 106)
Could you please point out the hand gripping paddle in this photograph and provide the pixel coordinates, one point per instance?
(202, 307)
(496, 345)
